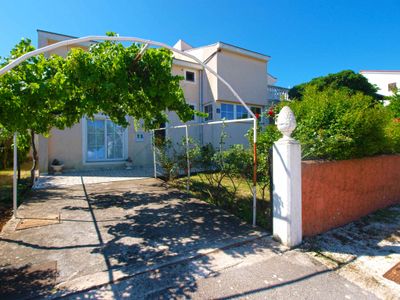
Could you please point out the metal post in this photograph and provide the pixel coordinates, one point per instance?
(154, 154)
(15, 190)
(255, 172)
(188, 159)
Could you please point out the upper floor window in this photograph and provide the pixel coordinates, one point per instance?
(392, 87)
(227, 111)
(208, 109)
(190, 76)
(241, 112)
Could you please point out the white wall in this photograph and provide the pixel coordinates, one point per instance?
(382, 79)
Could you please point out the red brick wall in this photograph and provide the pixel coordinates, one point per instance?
(336, 193)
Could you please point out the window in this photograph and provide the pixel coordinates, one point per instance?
(208, 109)
(227, 111)
(105, 140)
(193, 116)
(241, 112)
(392, 87)
(189, 76)
(256, 110)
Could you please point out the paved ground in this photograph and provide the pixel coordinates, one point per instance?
(109, 231)
(153, 243)
(69, 178)
(363, 251)
(255, 270)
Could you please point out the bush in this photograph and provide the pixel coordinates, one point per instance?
(334, 125)
(394, 105)
(393, 136)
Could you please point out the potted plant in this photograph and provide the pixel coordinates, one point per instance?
(57, 166)
(128, 163)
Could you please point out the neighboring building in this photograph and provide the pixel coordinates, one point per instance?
(387, 81)
(100, 143)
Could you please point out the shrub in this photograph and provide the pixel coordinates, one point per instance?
(334, 124)
(393, 136)
(394, 105)
(167, 158)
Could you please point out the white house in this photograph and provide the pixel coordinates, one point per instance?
(100, 143)
(386, 80)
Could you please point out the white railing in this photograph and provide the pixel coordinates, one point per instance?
(277, 93)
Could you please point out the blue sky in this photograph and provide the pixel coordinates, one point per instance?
(305, 38)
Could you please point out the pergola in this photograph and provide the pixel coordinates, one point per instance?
(146, 43)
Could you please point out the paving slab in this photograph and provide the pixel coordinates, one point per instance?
(364, 250)
(260, 269)
(113, 230)
(91, 176)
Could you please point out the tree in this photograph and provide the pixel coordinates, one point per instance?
(43, 93)
(32, 97)
(348, 80)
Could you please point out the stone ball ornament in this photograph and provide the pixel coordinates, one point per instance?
(286, 122)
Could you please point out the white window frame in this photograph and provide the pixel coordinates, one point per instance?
(236, 111)
(85, 161)
(194, 76)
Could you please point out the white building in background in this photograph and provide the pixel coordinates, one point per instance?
(386, 80)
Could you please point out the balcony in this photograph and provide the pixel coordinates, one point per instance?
(277, 93)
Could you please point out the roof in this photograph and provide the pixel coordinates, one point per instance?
(65, 35)
(236, 49)
(380, 71)
(182, 45)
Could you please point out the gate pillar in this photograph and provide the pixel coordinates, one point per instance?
(287, 210)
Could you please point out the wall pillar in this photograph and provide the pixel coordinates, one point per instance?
(42, 145)
(287, 210)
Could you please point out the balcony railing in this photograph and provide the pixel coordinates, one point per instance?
(277, 93)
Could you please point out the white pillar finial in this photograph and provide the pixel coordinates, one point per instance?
(286, 122)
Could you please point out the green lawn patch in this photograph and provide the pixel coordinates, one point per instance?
(239, 202)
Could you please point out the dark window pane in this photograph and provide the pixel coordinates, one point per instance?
(189, 76)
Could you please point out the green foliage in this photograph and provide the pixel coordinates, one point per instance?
(7, 148)
(32, 97)
(43, 93)
(117, 81)
(348, 80)
(336, 124)
(394, 105)
(393, 136)
(167, 158)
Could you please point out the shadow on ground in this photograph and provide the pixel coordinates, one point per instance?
(117, 230)
(27, 281)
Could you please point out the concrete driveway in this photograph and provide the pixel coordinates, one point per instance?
(75, 237)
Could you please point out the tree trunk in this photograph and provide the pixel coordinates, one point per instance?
(34, 157)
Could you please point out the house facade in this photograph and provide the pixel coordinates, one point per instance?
(99, 143)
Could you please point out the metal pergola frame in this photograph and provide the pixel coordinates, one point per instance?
(145, 42)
